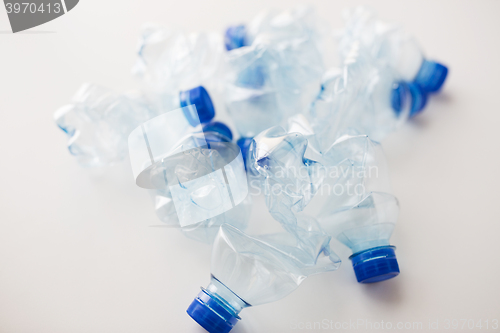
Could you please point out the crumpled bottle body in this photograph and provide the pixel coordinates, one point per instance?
(200, 196)
(253, 270)
(169, 61)
(98, 122)
(355, 99)
(289, 181)
(266, 268)
(358, 207)
(276, 74)
(348, 194)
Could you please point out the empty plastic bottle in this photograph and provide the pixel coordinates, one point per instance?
(217, 131)
(276, 74)
(244, 144)
(289, 179)
(359, 98)
(236, 37)
(348, 193)
(248, 271)
(99, 121)
(169, 61)
(390, 44)
(196, 171)
(300, 21)
(355, 205)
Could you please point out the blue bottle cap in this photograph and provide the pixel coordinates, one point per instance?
(244, 144)
(235, 37)
(403, 93)
(431, 76)
(418, 99)
(399, 96)
(201, 99)
(218, 127)
(211, 313)
(376, 264)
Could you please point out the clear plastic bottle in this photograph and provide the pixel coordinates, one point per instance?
(248, 271)
(244, 144)
(355, 205)
(383, 80)
(99, 121)
(251, 97)
(205, 231)
(196, 171)
(169, 61)
(275, 73)
(355, 99)
(391, 45)
(289, 180)
(363, 97)
(300, 21)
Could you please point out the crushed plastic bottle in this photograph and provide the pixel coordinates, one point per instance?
(389, 43)
(299, 22)
(359, 98)
(169, 61)
(289, 181)
(244, 144)
(196, 171)
(99, 121)
(355, 99)
(383, 80)
(276, 73)
(248, 271)
(348, 193)
(355, 205)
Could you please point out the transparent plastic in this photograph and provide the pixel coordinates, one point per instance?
(348, 193)
(356, 99)
(383, 80)
(281, 25)
(98, 122)
(248, 271)
(289, 181)
(355, 205)
(169, 61)
(276, 74)
(390, 44)
(200, 184)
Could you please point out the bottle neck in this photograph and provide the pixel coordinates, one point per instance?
(226, 296)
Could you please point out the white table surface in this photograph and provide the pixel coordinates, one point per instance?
(76, 250)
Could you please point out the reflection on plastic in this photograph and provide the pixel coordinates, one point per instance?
(205, 179)
(157, 138)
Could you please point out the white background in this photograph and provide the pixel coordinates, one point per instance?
(76, 250)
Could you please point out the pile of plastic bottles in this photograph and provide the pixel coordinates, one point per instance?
(306, 137)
